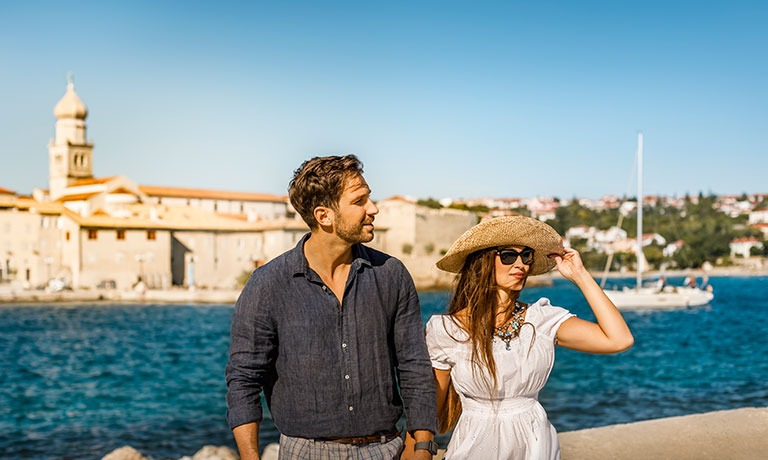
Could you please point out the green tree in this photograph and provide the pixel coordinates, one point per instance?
(430, 203)
(464, 207)
(243, 277)
(654, 255)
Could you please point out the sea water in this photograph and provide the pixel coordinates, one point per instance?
(78, 381)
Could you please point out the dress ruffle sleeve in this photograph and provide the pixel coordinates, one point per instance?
(436, 337)
(552, 318)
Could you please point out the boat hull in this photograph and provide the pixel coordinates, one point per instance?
(654, 299)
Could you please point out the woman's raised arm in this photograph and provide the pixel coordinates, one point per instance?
(611, 333)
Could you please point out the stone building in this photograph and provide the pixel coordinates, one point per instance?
(31, 237)
(92, 231)
(419, 235)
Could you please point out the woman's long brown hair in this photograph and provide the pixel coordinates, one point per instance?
(476, 297)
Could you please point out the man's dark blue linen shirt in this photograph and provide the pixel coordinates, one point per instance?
(325, 370)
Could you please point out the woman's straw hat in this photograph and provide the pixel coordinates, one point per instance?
(506, 231)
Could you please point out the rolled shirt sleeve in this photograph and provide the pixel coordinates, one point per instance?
(251, 354)
(415, 376)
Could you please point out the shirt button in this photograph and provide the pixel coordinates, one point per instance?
(343, 345)
(346, 377)
(325, 288)
(351, 408)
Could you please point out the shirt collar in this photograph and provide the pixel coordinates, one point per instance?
(299, 265)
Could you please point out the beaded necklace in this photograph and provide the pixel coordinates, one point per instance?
(512, 329)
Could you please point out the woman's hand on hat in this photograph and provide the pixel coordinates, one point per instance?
(569, 264)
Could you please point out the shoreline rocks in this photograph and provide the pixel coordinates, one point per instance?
(722, 435)
(206, 453)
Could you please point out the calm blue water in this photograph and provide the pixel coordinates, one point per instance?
(79, 381)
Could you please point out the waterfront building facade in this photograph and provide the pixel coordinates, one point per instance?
(106, 232)
(419, 235)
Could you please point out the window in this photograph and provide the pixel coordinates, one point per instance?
(121, 234)
(67, 236)
(151, 235)
(93, 234)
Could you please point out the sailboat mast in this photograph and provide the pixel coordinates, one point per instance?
(640, 258)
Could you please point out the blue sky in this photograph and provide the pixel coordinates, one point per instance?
(442, 99)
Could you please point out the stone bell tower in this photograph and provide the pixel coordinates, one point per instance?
(70, 155)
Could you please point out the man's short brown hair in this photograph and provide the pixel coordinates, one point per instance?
(320, 182)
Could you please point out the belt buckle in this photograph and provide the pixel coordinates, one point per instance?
(358, 441)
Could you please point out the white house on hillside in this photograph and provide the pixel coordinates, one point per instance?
(742, 246)
(759, 216)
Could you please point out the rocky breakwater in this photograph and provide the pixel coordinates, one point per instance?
(722, 435)
(206, 453)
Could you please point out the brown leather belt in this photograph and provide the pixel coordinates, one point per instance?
(362, 440)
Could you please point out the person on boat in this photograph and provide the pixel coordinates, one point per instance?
(492, 353)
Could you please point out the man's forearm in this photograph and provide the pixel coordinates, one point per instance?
(247, 438)
(411, 438)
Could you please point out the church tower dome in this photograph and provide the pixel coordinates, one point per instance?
(70, 154)
(70, 106)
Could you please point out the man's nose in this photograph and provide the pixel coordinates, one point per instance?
(372, 209)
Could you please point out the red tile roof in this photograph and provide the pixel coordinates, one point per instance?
(179, 192)
(91, 181)
(745, 240)
(398, 198)
(5, 191)
(77, 197)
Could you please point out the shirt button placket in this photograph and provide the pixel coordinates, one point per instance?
(345, 360)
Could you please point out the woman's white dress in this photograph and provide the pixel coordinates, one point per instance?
(508, 423)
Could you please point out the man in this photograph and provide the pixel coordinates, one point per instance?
(327, 330)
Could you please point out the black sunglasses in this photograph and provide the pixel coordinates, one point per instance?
(509, 256)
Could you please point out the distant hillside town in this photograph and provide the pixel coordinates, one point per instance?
(692, 231)
(88, 232)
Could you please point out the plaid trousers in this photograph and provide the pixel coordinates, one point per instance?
(308, 449)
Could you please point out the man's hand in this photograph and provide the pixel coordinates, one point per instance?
(421, 454)
(247, 438)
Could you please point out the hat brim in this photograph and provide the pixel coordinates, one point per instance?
(506, 231)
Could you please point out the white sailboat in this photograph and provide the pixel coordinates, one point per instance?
(658, 297)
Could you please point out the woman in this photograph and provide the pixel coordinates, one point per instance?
(497, 352)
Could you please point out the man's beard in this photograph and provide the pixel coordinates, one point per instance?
(352, 232)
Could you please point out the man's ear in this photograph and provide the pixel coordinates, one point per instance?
(324, 216)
